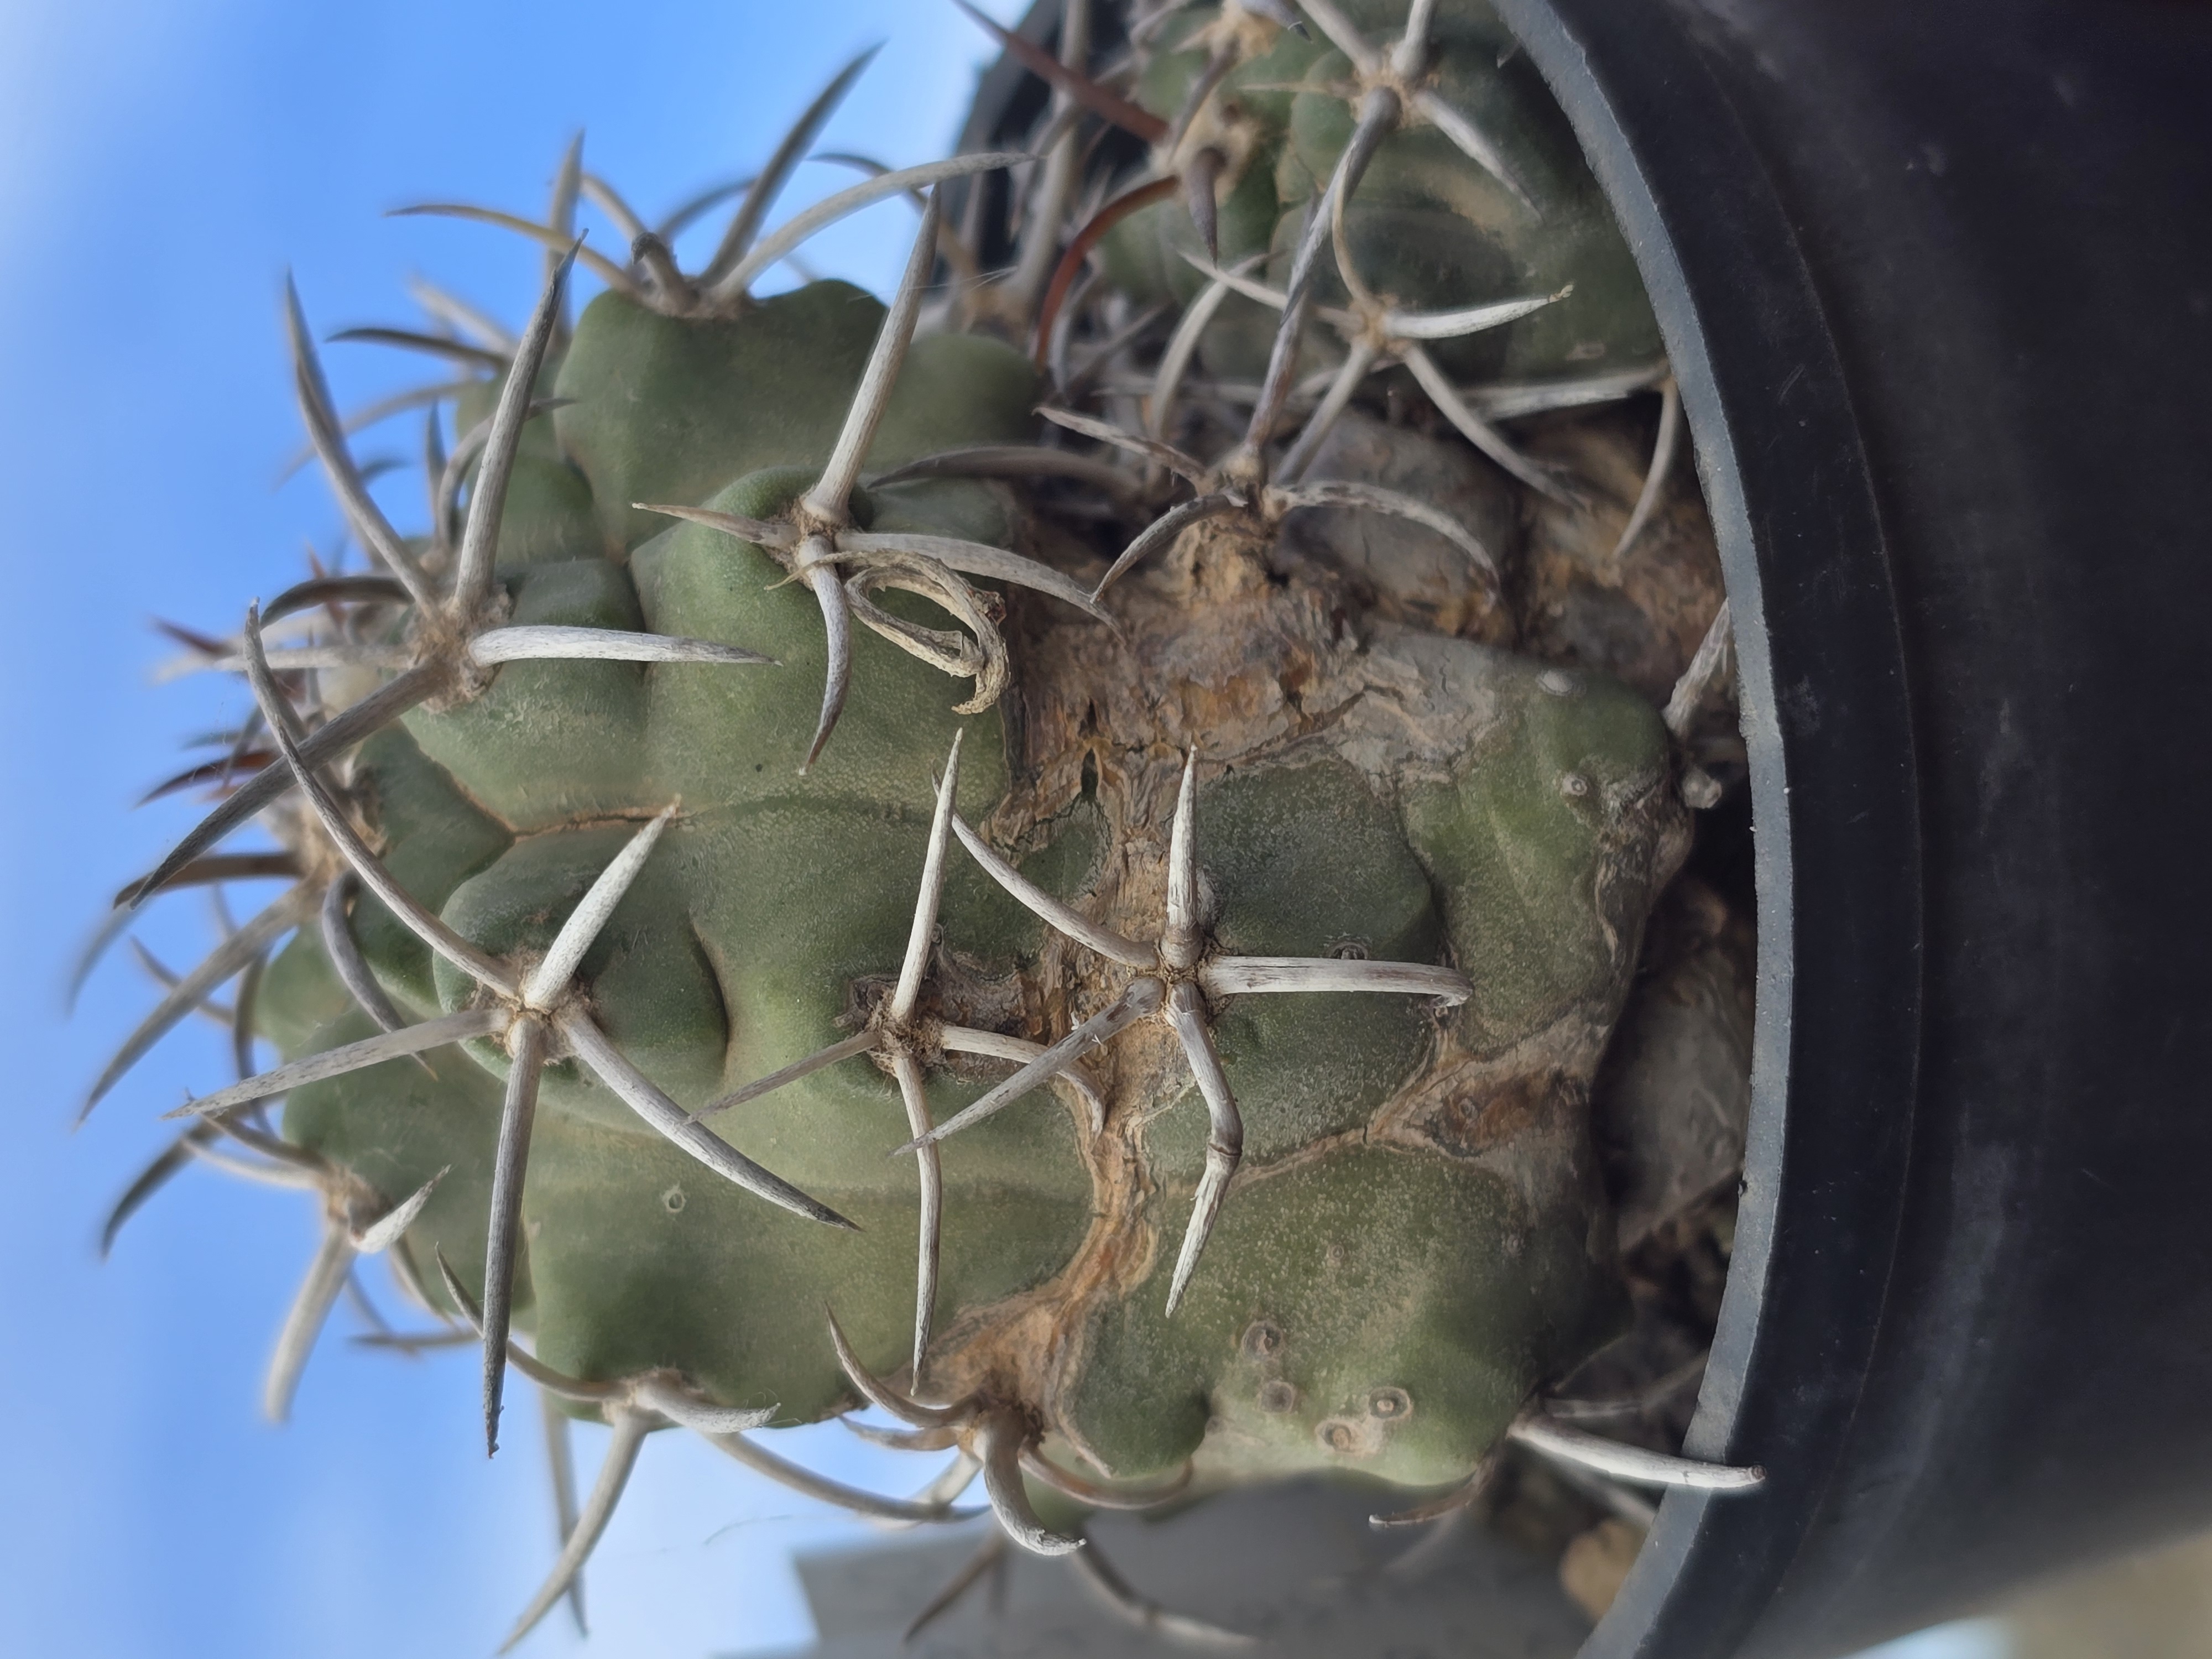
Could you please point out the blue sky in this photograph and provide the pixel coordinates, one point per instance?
(161, 163)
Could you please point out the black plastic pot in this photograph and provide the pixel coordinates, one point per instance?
(1937, 281)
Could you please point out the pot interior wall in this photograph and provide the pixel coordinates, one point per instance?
(1932, 283)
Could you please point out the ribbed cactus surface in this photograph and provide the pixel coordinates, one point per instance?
(1162, 1061)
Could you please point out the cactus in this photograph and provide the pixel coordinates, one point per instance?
(1165, 1067)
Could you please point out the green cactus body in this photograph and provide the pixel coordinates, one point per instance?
(1429, 227)
(1305, 927)
(1517, 818)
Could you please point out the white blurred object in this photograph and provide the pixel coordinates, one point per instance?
(1970, 1638)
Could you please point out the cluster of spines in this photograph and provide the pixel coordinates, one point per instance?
(457, 639)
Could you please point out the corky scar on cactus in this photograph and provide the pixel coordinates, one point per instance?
(1176, 977)
(1570, 750)
(999, 1440)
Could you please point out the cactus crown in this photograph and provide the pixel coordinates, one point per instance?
(1164, 1067)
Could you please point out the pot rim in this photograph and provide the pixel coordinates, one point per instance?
(1826, 726)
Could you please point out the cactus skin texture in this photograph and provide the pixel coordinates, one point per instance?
(667, 916)
(1429, 225)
